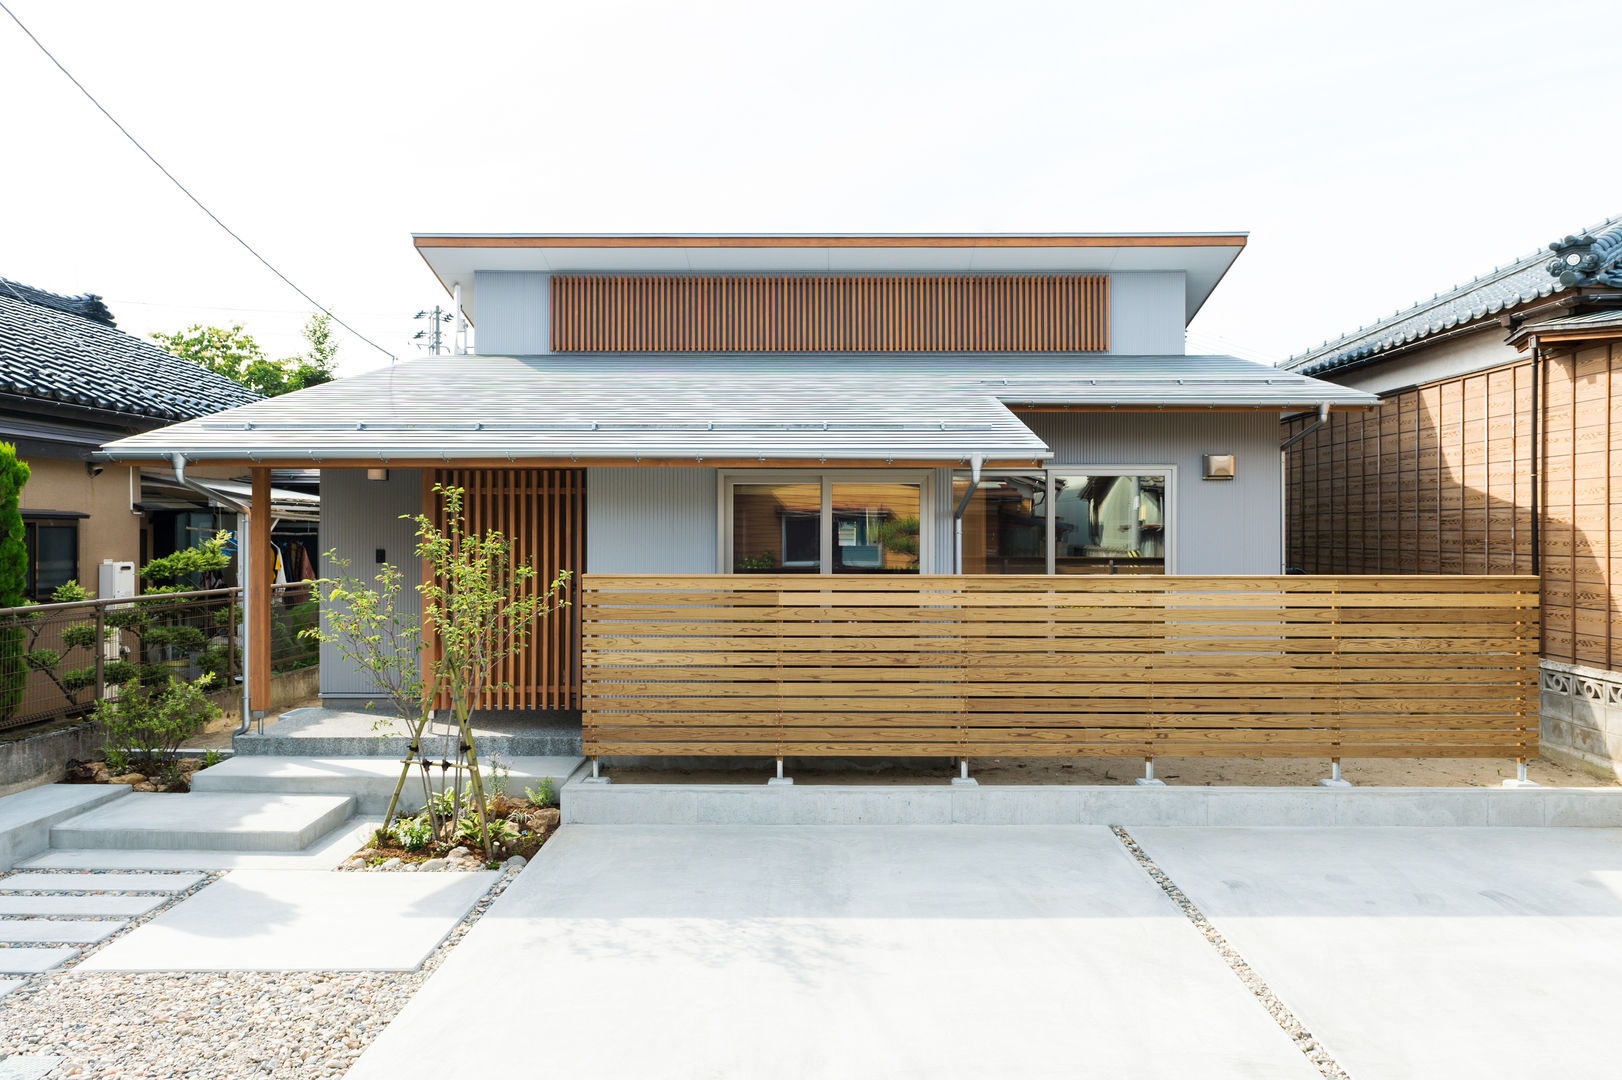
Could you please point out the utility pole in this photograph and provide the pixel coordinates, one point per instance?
(430, 338)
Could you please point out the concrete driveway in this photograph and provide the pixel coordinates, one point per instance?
(629, 951)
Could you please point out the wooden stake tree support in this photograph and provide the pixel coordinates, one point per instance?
(477, 610)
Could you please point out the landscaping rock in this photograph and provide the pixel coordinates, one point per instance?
(517, 862)
(541, 820)
(144, 787)
(459, 853)
(433, 864)
(128, 778)
(392, 864)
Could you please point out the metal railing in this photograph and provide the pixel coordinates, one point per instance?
(58, 660)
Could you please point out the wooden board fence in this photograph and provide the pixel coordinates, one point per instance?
(1441, 666)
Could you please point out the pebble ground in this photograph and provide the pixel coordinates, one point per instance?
(206, 1025)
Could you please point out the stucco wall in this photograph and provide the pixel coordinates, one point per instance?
(110, 532)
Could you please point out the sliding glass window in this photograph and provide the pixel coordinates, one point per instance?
(822, 523)
(1066, 521)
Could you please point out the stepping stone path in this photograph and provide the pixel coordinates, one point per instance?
(46, 919)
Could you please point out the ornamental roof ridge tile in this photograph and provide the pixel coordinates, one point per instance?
(1520, 281)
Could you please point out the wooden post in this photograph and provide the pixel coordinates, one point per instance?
(257, 590)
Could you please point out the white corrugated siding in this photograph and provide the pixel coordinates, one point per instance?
(651, 521)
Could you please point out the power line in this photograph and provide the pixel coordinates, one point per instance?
(184, 190)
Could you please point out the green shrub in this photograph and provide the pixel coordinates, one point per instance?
(502, 831)
(145, 725)
(543, 794)
(13, 579)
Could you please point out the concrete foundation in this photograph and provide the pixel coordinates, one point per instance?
(944, 804)
(356, 732)
(370, 780)
(1580, 717)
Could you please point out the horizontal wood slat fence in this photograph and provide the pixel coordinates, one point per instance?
(1047, 666)
(715, 313)
(542, 513)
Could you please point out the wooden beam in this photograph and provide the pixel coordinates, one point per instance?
(258, 593)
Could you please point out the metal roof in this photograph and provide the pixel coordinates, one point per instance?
(913, 408)
(1526, 279)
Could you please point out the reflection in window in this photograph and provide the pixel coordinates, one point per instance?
(1005, 529)
(1109, 524)
(777, 528)
(875, 528)
(53, 556)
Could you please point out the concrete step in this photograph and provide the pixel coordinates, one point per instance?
(205, 821)
(331, 733)
(26, 817)
(369, 780)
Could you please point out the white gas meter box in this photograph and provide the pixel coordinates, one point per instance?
(115, 580)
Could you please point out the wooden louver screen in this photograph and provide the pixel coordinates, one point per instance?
(542, 512)
(1050, 313)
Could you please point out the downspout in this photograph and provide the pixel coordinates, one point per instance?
(975, 461)
(179, 463)
(1537, 426)
(1284, 483)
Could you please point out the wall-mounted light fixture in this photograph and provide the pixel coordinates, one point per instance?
(377, 474)
(1218, 467)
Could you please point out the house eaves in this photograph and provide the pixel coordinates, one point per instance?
(755, 410)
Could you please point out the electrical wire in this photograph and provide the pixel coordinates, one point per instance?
(186, 191)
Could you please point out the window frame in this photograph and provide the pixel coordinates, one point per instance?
(32, 522)
(1050, 471)
(923, 479)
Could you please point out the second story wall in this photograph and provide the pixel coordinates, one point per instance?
(1120, 314)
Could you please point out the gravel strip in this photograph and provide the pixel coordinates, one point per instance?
(1286, 1019)
(211, 1024)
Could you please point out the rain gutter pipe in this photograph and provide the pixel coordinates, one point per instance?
(975, 461)
(243, 566)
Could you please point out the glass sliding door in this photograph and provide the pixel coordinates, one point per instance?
(822, 523)
(777, 528)
(1109, 523)
(1005, 527)
(876, 528)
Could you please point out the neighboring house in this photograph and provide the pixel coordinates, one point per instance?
(810, 405)
(1497, 449)
(70, 380)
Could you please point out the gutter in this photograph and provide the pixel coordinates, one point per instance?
(975, 461)
(179, 463)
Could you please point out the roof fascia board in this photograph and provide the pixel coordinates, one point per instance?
(867, 240)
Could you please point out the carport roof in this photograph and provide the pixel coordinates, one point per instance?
(715, 409)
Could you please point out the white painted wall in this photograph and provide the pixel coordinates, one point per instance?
(1445, 360)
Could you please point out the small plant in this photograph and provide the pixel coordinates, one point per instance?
(503, 833)
(412, 833)
(145, 725)
(764, 561)
(543, 794)
(211, 758)
(499, 775)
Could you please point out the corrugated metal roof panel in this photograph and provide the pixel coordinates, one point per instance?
(912, 408)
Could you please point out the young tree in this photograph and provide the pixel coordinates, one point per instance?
(234, 354)
(478, 607)
(13, 578)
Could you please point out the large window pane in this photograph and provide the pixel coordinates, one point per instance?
(777, 528)
(875, 528)
(53, 556)
(1005, 528)
(1109, 523)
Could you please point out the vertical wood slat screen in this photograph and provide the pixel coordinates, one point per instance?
(699, 313)
(542, 513)
(1238, 666)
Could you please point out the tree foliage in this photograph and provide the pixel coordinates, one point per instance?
(13, 578)
(233, 353)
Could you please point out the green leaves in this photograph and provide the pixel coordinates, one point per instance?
(168, 573)
(233, 353)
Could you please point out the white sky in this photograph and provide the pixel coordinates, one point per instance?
(1376, 152)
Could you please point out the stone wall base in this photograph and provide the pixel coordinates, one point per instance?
(1580, 717)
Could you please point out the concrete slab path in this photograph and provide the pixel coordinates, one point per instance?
(1422, 953)
(842, 952)
(300, 920)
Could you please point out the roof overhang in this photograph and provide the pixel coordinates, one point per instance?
(780, 410)
(1203, 257)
